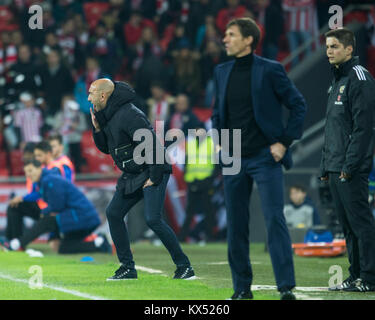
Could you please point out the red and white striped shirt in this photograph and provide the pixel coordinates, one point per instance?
(8, 57)
(29, 120)
(300, 15)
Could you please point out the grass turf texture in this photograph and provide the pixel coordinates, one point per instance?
(209, 262)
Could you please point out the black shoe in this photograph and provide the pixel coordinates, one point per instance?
(287, 295)
(242, 295)
(186, 273)
(360, 285)
(348, 282)
(124, 273)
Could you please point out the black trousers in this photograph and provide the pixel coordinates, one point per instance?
(353, 211)
(71, 242)
(154, 201)
(14, 228)
(199, 200)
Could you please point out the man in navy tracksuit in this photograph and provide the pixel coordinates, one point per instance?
(69, 214)
(250, 92)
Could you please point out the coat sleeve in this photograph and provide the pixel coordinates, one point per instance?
(289, 95)
(362, 122)
(54, 195)
(100, 140)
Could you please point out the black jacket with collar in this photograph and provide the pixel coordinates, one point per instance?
(349, 138)
(118, 121)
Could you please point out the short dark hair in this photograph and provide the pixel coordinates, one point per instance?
(29, 147)
(57, 137)
(44, 146)
(298, 187)
(248, 27)
(343, 35)
(33, 162)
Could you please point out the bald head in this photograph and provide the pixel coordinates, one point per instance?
(99, 92)
(104, 85)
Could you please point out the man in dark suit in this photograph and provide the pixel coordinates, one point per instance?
(250, 92)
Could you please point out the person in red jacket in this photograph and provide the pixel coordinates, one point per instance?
(233, 10)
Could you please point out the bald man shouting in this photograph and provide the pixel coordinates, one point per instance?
(115, 119)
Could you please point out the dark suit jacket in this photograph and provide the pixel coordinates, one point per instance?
(271, 88)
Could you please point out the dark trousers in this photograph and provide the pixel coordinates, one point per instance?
(71, 242)
(237, 190)
(198, 201)
(354, 214)
(153, 209)
(14, 228)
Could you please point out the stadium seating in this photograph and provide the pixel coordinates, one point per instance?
(97, 162)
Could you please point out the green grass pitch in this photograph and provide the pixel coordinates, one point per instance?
(65, 277)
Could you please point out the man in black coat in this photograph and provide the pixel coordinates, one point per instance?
(117, 122)
(347, 156)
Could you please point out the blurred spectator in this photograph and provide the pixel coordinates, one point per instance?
(133, 28)
(300, 24)
(212, 55)
(183, 118)
(24, 73)
(231, 11)
(17, 38)
(147, 45)
(274, 26)
(199, 177)
(28, 119)
(67, 41)
(81, 30)
(92, 73)
(301, 212)
(70, 123)
(179, 34)
(187, 73)
(206, 33)
(159, 105)
(104, 48)
(51, 43)
(8, 52)
(199, 11)
(371, 48)
(147, 64)
(56, 82)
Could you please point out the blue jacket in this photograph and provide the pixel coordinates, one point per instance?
(271, 88)
(74, 211)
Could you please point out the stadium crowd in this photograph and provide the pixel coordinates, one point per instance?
(166, 49)
(162, 48)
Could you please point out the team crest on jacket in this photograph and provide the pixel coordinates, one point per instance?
(342, 88)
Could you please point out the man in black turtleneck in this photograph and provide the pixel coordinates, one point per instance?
(250, 92)
(240, 115)
(347, 156)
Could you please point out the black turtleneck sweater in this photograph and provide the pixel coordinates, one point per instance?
(239, 108)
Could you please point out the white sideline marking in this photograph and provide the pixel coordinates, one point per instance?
(149, 270)
(305, 289)
(226, 262)
(156, 271)
(72, 292)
